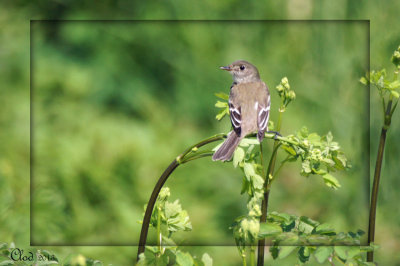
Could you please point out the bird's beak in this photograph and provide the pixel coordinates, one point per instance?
(227, 68)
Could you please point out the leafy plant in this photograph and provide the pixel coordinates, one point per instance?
(308, 237)
(389, 93)
(319, 155)
(168, 218)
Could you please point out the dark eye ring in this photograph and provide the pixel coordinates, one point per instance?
(242, 67)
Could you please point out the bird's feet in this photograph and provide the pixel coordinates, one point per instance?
(276, 133)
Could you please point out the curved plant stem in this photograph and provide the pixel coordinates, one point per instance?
(161, 181)
(150, 206)
(377, 176)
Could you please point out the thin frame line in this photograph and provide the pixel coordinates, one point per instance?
(32, 21)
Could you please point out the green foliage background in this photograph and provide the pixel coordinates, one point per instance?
(115, 102)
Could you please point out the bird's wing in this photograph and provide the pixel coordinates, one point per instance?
(235, 111)
(264, 105)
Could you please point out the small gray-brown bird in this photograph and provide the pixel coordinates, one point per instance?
(249, 105)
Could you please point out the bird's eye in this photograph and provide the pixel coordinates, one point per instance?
(242, 67)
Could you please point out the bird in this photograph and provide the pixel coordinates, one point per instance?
(249, 107)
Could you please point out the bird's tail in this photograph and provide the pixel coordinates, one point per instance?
(225, 152)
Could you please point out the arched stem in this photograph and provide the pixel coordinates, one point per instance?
(150, 206)
(163, 178)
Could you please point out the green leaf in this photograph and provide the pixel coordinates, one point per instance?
(328, 161)
(172, 209)
(220, 104)
(271, 125)
(180, 222)
(285, 251)
(269, 229)
(396, 57)
(353, 251)
(253, 227)
(289, 150)
(394, 85)
(248, 170)
(323, 253)
(184, 259)
(305, 228)
(258, 181)
(395, 94)
(279, 217)
(341, 252)
(289, 238)
(168, 242)
(152, 249)
(221, 114)
(360, 232)
(319, 171)
(238, 156)
(176, 218)
(222, 95)
(304, 254)
(309, 221)
(363, 80)
(274, 250)
(307, 225)
(247, 142)
(207, 260)
(340, 161)
(245, 185)
(342, 158)
(331, 181)
(325, 229)
(288, 226)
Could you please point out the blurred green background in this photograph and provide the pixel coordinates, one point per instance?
(114, 102)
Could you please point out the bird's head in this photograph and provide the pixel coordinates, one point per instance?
(242, 71)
